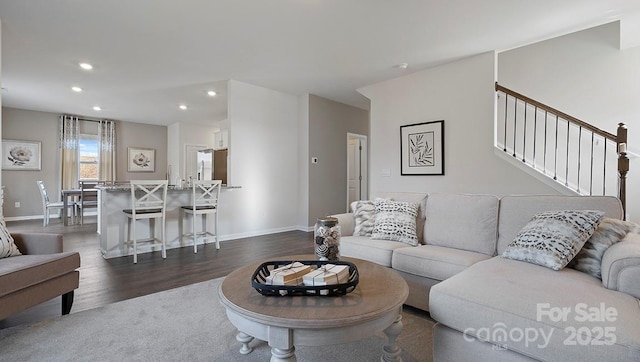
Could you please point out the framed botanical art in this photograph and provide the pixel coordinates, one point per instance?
(422, 149)
(21, 155)
(141, 159)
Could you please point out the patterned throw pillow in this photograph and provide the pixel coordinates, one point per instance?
(364, 213)
(553, 238)
(609, 232)
(396, 221)
(7, 246)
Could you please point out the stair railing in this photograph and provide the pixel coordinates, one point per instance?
(572, 152)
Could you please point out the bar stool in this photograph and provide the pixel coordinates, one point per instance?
(148, 201)
(204, 201)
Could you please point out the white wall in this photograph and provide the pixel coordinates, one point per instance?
(586, 75)
(303, 162)
(462, 94)
(263, 151)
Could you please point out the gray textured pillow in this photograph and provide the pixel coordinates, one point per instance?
(396, 221)
(7, 246)
(552, 238)
(609, 232)
(364, 214)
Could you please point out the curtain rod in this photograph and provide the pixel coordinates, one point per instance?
(81, 118)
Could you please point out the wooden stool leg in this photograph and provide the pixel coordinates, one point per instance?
(181, 226)
(163, 233)
(135, 245)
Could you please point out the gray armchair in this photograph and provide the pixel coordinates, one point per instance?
(43, 272)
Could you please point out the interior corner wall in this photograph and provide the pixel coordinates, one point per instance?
(329, 123)
(174, 152)
(263, 158)
(462, 94)
(586, 75)
(303, 162)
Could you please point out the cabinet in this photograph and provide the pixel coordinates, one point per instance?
(221, 140)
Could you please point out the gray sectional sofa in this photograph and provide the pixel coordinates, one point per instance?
(490, 308)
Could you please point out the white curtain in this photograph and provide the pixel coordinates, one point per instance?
(69, 143)
(107, 144)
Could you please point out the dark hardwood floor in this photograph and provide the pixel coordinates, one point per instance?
(104, 281)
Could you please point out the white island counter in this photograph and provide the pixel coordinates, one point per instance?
(111, 220)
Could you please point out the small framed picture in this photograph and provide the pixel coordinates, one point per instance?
(21, 155)
(141, 159)
(422, 148)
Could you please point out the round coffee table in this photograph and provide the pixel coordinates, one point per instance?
(284, 322)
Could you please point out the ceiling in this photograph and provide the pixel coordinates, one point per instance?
(149, 56)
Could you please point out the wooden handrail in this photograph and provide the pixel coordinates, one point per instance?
(560, 114)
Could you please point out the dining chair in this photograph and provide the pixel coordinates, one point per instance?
(47, 205)
(88, 198)
(204, 202)
(148, 202)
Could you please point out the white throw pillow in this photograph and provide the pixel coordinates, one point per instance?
(364, 214)
(552, 238)
(396, 221)
(7, 245)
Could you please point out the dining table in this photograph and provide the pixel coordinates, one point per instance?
(70, 195)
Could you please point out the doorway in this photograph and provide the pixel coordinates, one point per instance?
(357, 161)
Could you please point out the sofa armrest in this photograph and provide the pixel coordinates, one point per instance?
(32, 243)
(347, 223)
(621, 266)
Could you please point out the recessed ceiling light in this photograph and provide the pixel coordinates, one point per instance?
(183, 107)
(97, 108)
(86, 66)
(402, 66)
(211, 93)
(76, 89)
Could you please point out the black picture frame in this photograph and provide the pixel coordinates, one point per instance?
(422, 149)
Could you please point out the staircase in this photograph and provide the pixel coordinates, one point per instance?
(571, 155)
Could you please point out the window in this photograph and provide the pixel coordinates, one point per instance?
(88, 156)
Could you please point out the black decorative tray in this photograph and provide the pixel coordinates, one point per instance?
(258, 281)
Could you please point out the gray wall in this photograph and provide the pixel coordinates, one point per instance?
(43, 127)
(329, 123)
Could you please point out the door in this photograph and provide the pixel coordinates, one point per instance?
(356, 168)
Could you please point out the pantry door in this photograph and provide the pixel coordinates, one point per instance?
(356, 168)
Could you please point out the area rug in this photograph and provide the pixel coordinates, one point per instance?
(187, 324)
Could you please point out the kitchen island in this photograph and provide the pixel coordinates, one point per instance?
(112, 199)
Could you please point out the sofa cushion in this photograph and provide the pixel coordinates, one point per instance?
(465, 222)
(516, 211)
(435, 262)
(553, 238)
(498, 299)
(26, 270)
(363, 247)
(7, 245)
(609, 232)
(396, 220)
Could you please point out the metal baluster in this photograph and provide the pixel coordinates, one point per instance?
(555, 162)
(604, 174)
(544, 162)
(566, 161)
(515, 123)
(579, 155)
(506, 99)
(591, 171)
(524, 134)
(535, 134)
